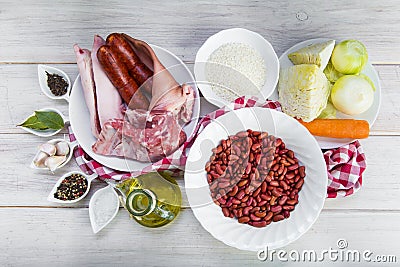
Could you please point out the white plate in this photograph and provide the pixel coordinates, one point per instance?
(370, 115)
(311, 197)
(80, 121)
(236, 35)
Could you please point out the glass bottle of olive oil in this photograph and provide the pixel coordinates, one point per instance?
(153, 199)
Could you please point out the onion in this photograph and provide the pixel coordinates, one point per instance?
(352, 94)
(349, 57)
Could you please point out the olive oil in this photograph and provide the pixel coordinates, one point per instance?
(153, 199)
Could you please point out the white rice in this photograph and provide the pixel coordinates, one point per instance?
(234, 70)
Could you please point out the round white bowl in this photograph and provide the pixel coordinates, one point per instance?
(311, 197)
(42, 76)
(48, 132)
(236, 35)
(71, 146)
(89, 179)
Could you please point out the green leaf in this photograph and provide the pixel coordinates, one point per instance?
(33, 123)
(51, 119)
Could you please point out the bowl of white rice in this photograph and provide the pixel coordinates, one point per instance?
(234, 63)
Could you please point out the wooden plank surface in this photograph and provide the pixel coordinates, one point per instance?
(64, 238)
(45, 31)
(35, 232)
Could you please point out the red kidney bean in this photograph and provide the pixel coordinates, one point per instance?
(246, 210)
(274, 183)
(276, 209)
(226, 212)
(244, 219)
(265, 197)
(262, 203)
(288, 207)
(254, 178)
(260, 224)
(283, 200)
(268, 216)
(254, 218)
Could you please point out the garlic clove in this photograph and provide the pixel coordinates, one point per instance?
(40, 159)
(53, 162)
(48, 148)
(62, 148)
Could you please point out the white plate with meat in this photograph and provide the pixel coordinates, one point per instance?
(82, 118)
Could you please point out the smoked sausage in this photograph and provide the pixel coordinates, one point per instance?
(119, 76)
(136, 68)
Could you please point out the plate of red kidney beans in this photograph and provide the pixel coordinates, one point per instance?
(256, 177)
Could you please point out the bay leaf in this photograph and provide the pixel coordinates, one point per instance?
(51, 119)
(33, 123)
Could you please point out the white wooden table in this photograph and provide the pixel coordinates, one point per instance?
(35, 232)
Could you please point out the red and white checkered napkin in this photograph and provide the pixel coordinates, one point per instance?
(345, 164)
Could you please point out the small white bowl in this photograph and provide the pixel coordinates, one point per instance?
(48, 132)
(236, 35)
(43, 81)
(71, 145)
(115, 202)
(89, 178)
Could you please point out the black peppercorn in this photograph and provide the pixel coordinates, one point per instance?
(57, 84)
(71, 187)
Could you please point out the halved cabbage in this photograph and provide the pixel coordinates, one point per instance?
(303, 91)
(317, 54)
(331, 73)
(329, 112)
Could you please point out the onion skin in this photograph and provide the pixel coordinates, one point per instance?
(352, 95)
(349, 57)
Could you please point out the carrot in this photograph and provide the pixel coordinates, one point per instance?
(338, 128)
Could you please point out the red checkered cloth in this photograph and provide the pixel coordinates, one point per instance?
(345, 164)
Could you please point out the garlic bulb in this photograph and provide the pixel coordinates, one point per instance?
(40, 159)
(48, 148)
(62, 148)
(53, 162)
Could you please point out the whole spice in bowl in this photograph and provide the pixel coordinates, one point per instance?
(54, 83)
(44, 122)
(72, 187)
(57, 84)
(53, 154)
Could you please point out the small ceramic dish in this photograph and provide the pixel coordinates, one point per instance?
(43, 81)
(71, 146)
(89, 179)
(236, 35)
(48, 132)
(100, 196)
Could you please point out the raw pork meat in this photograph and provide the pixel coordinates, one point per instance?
(84, 62)
(109, 101)
(142, 136)
(150, 135)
